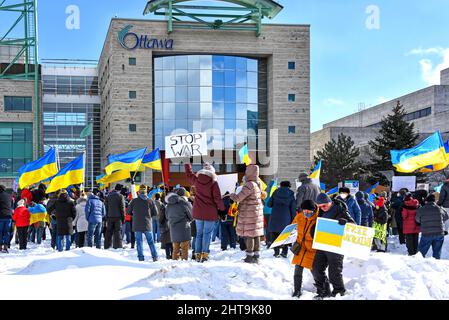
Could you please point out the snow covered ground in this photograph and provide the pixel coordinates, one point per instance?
(116, 274)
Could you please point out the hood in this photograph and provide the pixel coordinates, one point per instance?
(206, 176)
(172, 198)
(93, 197)
(252, 173)
(284, 195)
(359, 195)
(412, 203)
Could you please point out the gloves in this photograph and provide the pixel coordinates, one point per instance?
(342, 221)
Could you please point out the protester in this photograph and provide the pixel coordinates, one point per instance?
(351, 203)
(38, 220)
(81, 223)
(334, 210)
(115, 217)
(396, 205)
(39, 194)
(366, 210)
(179, 215)
(410, 229)
(166, 241)
(22, 219)
(443, 200)
(306, 191)
(206, 207)
(95, 212)
(142, 209)
(431, 218)
(5, 219)
(53, 197)
(228, 236)
(304, 253)
(250, 217)
(380, 225)
(65, 213)
(283, 212)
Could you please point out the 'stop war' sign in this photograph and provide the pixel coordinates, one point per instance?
(186, 145)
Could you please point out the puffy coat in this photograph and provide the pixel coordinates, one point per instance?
(306, 231)
(163, 224)
(179, 215)
(307, 191)
(367, 216)
(409, 225)
(81, 222)
(250, 218)
(5, 205)
(142, 209)
(432, 218)
(21, 217)
(354, 209)
(381, 215)
(283, 204)
(95, 210)
(443, 200)
(65, 213)
(207, 194)
(115, 205)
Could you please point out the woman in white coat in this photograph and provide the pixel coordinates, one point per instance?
(80, 221)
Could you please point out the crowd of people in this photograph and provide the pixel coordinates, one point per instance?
(189, 219)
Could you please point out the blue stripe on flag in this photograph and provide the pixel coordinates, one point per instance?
(330, 227)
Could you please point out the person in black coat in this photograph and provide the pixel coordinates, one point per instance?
(228, 235)
(5, 218)
(115, 218)
(65, 212)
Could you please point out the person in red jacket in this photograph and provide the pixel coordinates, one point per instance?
(26, 195)
(21, 217)
(409, 227)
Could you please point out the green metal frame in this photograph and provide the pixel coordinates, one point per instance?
(248, 16)
(27, 46)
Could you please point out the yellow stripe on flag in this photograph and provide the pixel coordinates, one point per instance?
(328, 239)
(29, 178)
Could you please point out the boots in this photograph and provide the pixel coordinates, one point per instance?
(5, 248)
(185, 250)
(193, 255)
(249, 259)
(256, 258)
(176, 250)
(198, 257)
(204, 257)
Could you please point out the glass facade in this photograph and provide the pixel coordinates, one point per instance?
(70, 85)
(16, 147)
(224, 96)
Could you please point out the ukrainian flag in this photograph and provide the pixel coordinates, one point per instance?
(332, 191)
(130, 161)
(73, 173)
(372, 189)
(427, 153)
(38, 214)
(329, 232)
(244, 155)
(114, 177)
(39, 170)
(316, 172)
(153, 160)
(438, 166)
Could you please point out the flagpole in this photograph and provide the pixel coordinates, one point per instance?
(92, 154)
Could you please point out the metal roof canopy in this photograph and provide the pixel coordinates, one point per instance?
(247, 15)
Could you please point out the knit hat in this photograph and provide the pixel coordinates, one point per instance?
(431, 198)
(303, 176)
(380, 202)
(209, 167)
(344, 190)
(181, 192)
(359, 195)
(308, 205)
(21, 203)
(323, 199)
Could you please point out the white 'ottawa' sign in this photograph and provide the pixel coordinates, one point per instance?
(186, 145)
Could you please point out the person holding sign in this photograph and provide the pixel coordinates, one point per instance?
(304, 253)
(334, 210)
(380, 225)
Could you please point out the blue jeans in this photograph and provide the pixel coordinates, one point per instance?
(5, 225)
(216, 232)
(203, 234)
(156, 230)
(139, 241)
(32, 234)
(68, 242)
(39, 234)
(435, 241)
(94, 228)
(128, 230)
(53, 234)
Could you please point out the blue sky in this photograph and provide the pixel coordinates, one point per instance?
(350, 64)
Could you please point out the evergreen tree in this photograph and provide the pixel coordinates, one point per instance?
(339, 161)
(395, 134)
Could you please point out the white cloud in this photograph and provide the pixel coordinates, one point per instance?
(430, 69)
(333, 102)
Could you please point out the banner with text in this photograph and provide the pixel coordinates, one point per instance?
(186, 145)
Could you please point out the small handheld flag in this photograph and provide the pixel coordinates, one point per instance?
(244, 155)
(316, 172)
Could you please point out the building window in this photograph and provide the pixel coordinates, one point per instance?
(18, 104)
(70, 85)
(132, 61)
(291, 65)
(291, 97)
(291, 130)
(132, 94)
(16, 145)
(132, 128)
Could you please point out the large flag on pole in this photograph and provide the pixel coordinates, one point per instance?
(130, 161)
(316, 172)
(71, 174)
(438, 166)
(87, 131)
(114, 177)
(153, 160)
(38, 170)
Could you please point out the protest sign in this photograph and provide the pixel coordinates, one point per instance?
(186, 145)
(350, 240)
(227, 182)
(287, 236)
(423, 186)
(408, 182)
(353, 186)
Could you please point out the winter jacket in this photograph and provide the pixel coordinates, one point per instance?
(227, 204)
(396, 206)
(179, 215)
(431, 217)
(65, 211)
(38, 195)
(81, 222)
(95, 210)
(250, 218)
(380, 215)
(142, 209)
(366, 212)
(5, 206)
(307, 191)
(207, 194)
(444, 196)
(163, 225)
(409, 225)
(354, 209)
(21, 217)
(306, 231)
(283, 204)
(115, 206)
(338, 211)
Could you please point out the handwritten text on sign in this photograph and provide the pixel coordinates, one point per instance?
(186, 145)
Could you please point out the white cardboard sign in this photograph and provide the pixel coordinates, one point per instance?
(227, 182)
(186, 145)
(401, 182)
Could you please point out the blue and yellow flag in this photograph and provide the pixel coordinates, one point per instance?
(38, 214)
(72, 173)
(153, 160)
(244, 155)
(130, 161)
(438, 166)
(38, 170)
(427, 153)
(332, 191)
(316, 172)
(114, 177)
(372, 189)
(329, 232)
(272, 187)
